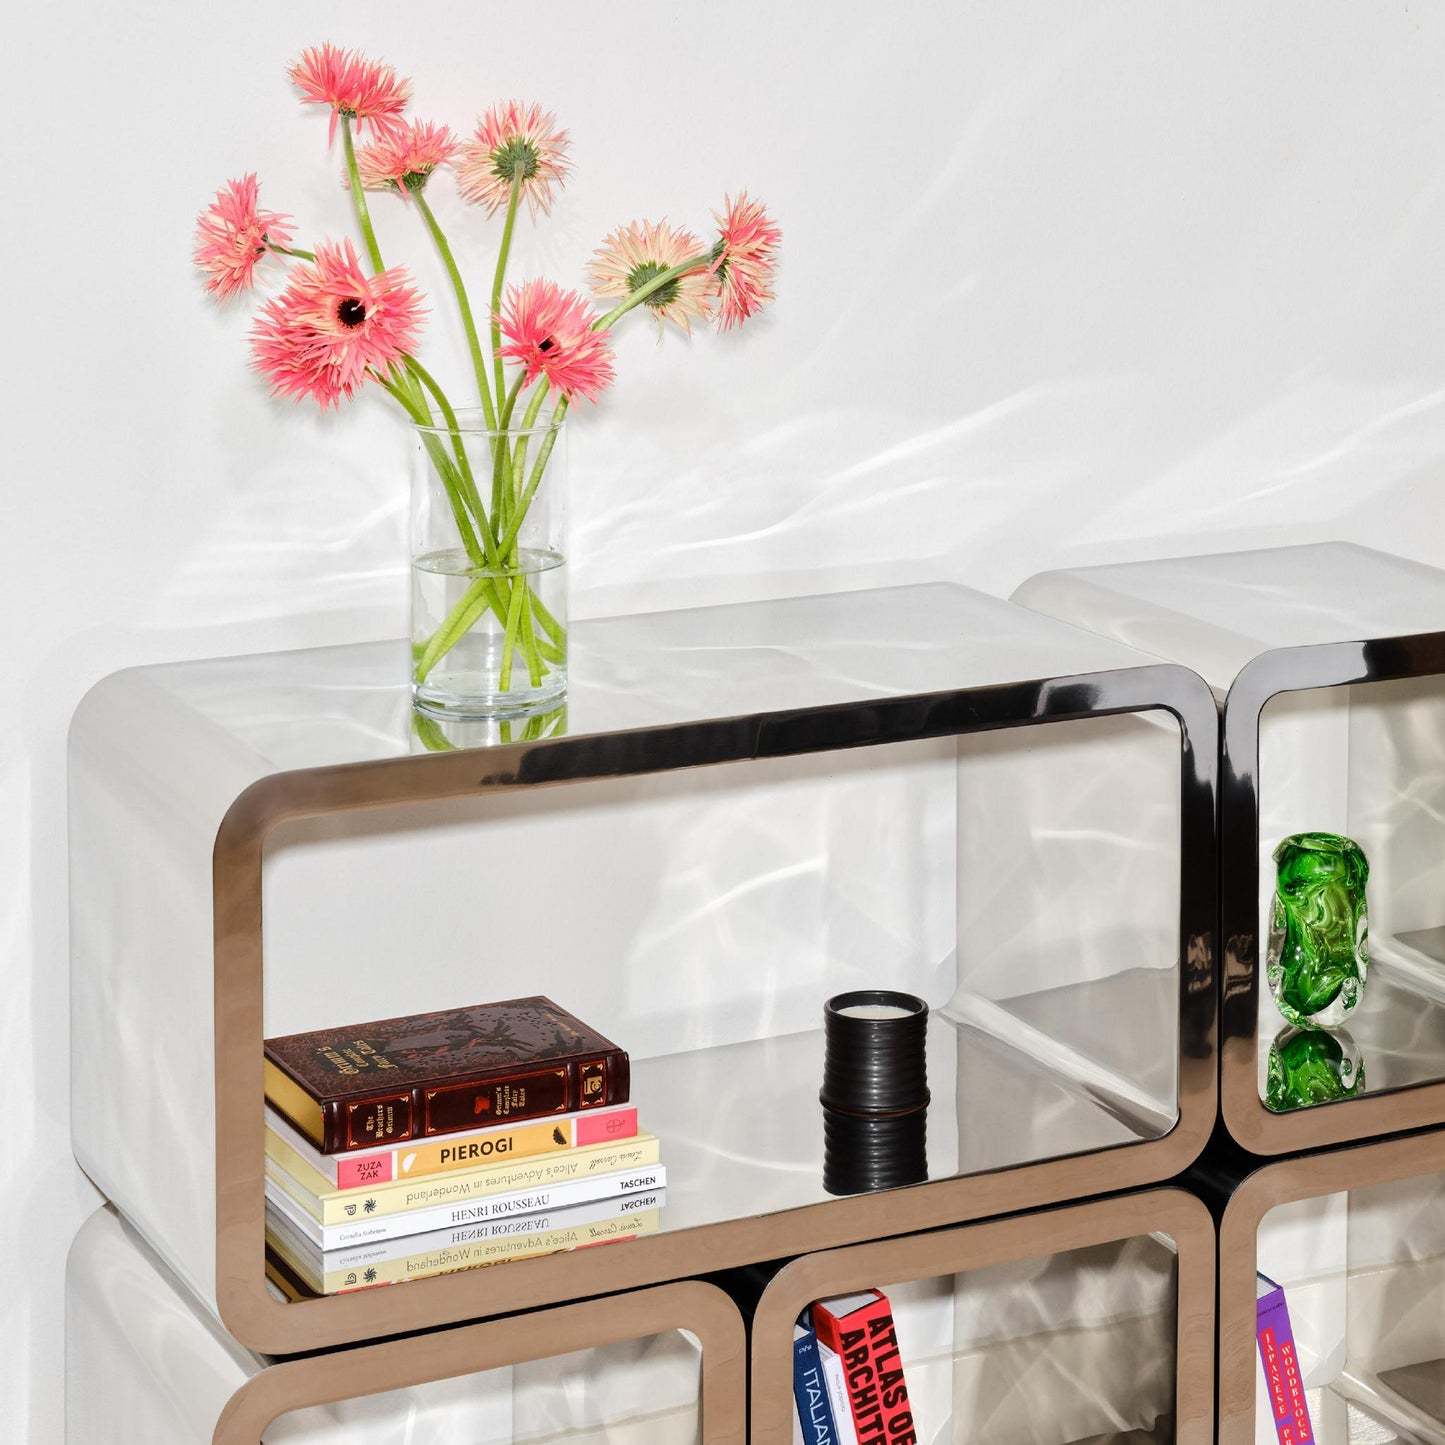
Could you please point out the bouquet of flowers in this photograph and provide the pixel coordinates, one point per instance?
(488, 590)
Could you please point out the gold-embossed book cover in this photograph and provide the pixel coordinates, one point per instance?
(438, 1073)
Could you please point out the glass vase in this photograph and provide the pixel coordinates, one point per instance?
(1318, 938)
(488, 568)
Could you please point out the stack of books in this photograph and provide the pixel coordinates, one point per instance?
(417, 1146)
(848, 1385)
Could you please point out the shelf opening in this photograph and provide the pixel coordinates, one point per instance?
(1363, 1272)
(1368, 762)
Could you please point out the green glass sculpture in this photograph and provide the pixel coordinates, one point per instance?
(1319, 928)
(1312, 1066)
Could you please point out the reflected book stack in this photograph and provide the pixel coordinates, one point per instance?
(418, 1146)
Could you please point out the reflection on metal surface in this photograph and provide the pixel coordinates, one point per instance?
(669, 1360)
(1088, 1322)
(1308, 1067)
(1423, 1385)
(1265, 628)
(1075, 1083)
(1399, 1034)
(864, 1153)
(1429, 941)
(1357, 1238)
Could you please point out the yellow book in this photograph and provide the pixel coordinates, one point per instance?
(463, 1256)
(472, 1149)
(328, 1205)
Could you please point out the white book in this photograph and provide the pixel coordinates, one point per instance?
(838, 1395)
(454, 1216)
(283, 1227)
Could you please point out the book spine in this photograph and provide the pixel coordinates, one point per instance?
(365, 1169)
(339, 1206)
(470, 1256)
(867, 1343)
(498, 1207)
(511, 1095)
(837, 1395)
(527, 1224)
(810, 1392)
(1280, 1361)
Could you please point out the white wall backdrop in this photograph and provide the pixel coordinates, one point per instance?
(1061, 283)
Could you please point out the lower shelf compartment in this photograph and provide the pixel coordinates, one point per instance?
(662, 1366)
(1089, 1323)
(1356, 1238)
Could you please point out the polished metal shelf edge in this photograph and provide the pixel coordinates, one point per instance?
(1284, 670)
(701, 1309)
(976, 1246)
(1286, 1182)
(270, 1326)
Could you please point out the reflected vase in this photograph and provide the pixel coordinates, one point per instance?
(1318, 939)
(1312, 1066)
(488, 568)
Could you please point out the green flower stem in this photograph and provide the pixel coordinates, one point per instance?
(481, 595)
(464, 466)
(502, 459)
(525, 500)
(499, 278)
(509, 641)
(486, 592)
(510, 405)
(429, 730)
(450, 480)
(529, 638)
(297, 251)
(518, 467)
(358, 196)
(469, 325)
(674, 273)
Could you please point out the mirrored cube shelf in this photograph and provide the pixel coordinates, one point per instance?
(744, 811)
(1329, 662)
(1088, 1323)
(660, 1366)
(1356, 1236)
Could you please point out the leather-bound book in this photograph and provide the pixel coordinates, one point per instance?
(439, 1073)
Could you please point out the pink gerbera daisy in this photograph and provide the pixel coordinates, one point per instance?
(634, 255)
(549, 332)
(743, 259)
(232, 234)
(513, 141)
(333, 324)
(353, 86)
(406, 157)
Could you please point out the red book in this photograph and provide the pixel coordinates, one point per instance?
(858, 1328)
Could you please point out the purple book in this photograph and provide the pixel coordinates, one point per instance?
(1278, 1356)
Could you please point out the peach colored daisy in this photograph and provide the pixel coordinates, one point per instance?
(634, 255)
(404, 159)
(362, 90)
(333, 324)
(232, 234)
(513, 140)
(743, 259)
(549, 333)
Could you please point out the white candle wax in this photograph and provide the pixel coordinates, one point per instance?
(875, 1011)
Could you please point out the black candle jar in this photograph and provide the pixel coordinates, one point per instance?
(875, 1091)
(874, 1053)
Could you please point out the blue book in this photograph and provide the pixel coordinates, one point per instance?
(810, 1390)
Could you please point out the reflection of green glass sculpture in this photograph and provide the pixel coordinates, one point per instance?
(1317, 939)
(1310, 1066)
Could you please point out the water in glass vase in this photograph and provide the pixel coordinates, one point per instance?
(488, 642)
